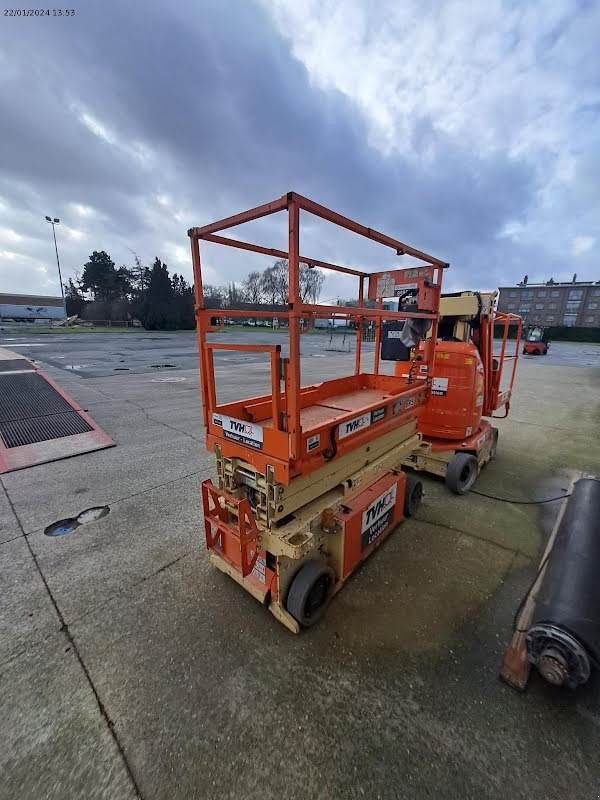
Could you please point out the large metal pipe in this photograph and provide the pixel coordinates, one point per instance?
(564, 638)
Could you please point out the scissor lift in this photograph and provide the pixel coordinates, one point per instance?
(309, 479)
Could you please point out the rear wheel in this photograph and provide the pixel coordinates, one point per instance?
(461, 473)
(494, 446)
(413, 494)
(310, 592)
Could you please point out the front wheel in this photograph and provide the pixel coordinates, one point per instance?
(413, 494)
(461, 473)
(310, 592)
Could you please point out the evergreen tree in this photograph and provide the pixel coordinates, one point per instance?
(100, 277)
(158, 309)
(183, 295)
(74, 300)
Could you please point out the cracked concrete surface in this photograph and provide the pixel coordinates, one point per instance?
(129, 667)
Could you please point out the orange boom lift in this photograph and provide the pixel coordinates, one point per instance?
(469, 382)
(308, 478)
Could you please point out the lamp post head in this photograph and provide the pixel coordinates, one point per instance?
(48, 219)
(56, 219)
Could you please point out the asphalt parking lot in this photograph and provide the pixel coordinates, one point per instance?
(130, 667)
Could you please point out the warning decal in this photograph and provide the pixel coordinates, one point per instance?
(439, 387)
(377, 414)
(377, 516)
(259, 569)
(313, 442)
(385, 285)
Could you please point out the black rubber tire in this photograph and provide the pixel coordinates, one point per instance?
(413, 495)
(461, 473)
(310, 592)
(494, 447)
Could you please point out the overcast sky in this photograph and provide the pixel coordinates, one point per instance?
(468, 129)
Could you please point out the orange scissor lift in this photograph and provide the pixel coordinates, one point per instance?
(309, 479)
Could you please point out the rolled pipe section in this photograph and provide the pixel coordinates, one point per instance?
(563, 641)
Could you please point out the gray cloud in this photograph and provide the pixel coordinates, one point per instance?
(155, 119)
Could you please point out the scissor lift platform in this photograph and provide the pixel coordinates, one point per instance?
(309, 478)
(335, 416)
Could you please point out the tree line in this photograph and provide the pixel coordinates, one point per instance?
(269, 287)
(164, 302)
(148, 294)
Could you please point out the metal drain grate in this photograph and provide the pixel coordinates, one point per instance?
(42, 429)
(27, 395)
(31, 410)
(14, 364)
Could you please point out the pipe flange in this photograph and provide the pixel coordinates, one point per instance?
(559, 657)
(553, 667)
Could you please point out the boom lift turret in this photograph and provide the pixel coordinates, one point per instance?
(308, 477)
(469, 382)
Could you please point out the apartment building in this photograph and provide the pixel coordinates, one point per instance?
(551, 304)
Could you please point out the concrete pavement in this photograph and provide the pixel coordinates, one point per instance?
(129, 666)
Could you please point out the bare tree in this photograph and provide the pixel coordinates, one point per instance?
(311, 283)
(214, 296)
(235, 295)
(253, 288)
(274, 282)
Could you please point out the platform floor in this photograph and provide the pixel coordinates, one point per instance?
(337, 406)
(131, 667)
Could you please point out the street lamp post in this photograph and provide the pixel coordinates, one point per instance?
(55, 221)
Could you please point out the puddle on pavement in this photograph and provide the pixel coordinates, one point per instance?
(63, 527)
(92, 514)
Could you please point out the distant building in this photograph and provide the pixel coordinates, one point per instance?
(335, 322)
(576, 303)
(31, 308)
